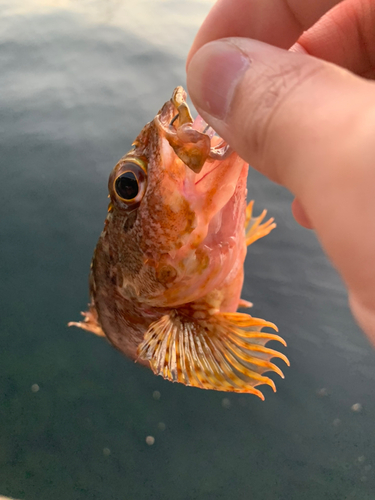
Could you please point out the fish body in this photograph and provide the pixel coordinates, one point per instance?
(167, 272)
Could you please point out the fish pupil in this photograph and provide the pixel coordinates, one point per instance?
(127, 186)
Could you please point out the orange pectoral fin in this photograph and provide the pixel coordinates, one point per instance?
(254, 229)
(90, 322)
(244, 304)
(224, 353)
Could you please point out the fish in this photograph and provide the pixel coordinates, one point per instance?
(168, 269)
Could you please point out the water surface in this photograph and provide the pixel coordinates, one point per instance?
(78, 80)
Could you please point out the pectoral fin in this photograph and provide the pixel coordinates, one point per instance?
(225, 352)
(90, 322)
(254, 227)
(244, 304)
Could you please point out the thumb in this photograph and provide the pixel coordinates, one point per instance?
(308, 125)
(276, 108)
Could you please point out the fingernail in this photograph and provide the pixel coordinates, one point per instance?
(213, 75)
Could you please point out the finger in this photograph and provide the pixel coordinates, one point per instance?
(277, 22)
(307, 125)
(364, 316)
(300, 215)
(345, 36)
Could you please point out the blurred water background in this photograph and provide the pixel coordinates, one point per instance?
(78, 80)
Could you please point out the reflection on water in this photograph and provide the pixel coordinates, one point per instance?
(78, 420)
(164, 23)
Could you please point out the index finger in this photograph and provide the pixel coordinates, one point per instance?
(277, 22)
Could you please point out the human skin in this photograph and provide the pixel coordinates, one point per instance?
(305, 118)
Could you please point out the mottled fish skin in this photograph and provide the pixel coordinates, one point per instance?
(168, 265)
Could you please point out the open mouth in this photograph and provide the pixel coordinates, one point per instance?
(203, 174)
(219, 149)
(213, 170)
(193, 141)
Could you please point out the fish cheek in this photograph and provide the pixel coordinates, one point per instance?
(130, 220)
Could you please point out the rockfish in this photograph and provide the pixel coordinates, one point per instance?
(167, 272)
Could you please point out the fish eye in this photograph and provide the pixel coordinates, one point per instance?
(127, 186)
(130, 185)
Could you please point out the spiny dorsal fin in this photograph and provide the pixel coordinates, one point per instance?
(225, 352)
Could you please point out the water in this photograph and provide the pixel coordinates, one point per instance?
(78, 80)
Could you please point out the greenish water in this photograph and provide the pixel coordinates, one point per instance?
(78, 80)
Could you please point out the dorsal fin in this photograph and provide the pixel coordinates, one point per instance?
(225, 352)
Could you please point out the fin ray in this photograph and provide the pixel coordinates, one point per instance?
(259, 364)
(246, 371)
(90, 322)
(225, 351)
(254, 227)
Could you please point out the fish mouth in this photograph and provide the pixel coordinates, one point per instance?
(213, 249)
(219, 191)
(204, 188)
(217, 195)
(214, 175)
(212, 168)
(219, 176)
(200, 178)
(219, 149)
(193, 141)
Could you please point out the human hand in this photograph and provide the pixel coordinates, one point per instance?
(305, 118)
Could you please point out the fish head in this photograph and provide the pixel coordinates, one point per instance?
(175, 227)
